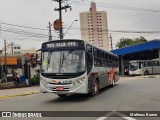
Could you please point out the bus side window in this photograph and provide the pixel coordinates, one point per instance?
(156, 63)
(89, 61)
(100, 62)
(95, 62)
(146, 64)
(140, 65)
(95, 52)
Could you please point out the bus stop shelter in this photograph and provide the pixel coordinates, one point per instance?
(144, 51)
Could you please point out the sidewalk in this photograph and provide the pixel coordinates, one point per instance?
(6, 93)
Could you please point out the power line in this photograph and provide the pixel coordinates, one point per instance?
(115, 6)
(22, 26)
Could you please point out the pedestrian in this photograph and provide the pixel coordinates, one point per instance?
(15, 77)
(4, 78)
(111, 75)
(33, 61)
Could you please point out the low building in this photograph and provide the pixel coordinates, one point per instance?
(28, 52)
(12, 48)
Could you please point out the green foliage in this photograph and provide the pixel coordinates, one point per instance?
(125, 42)
(35, 79)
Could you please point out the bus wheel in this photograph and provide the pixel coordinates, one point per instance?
(146, 73)
(62, 95)
(95, 88)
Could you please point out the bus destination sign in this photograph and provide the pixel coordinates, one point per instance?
(63, 44)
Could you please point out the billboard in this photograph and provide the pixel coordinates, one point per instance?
(9, 61)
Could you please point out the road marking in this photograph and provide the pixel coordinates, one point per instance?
(129, 118)
(102, 118)
(115, 112)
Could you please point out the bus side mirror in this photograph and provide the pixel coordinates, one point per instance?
(36, 57)
(37, 54)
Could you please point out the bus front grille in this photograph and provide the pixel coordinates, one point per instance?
(60, 83)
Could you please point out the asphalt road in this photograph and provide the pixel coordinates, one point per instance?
(127, 95)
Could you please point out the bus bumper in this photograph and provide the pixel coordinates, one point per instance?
(68, 89)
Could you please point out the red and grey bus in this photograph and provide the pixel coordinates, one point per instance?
(73, 66)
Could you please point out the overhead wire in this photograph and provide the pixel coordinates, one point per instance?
(114, 6)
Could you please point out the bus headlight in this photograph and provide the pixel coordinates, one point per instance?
(79, 82)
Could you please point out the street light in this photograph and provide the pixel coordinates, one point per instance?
(69, 27)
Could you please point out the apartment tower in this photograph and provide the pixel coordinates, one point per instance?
(94, 28)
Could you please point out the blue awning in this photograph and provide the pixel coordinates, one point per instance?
(150, 45)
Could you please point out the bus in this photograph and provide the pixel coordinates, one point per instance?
(71, 66)
(144, 67)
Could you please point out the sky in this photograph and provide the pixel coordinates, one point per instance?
(25, 21)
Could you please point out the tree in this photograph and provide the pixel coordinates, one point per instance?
(125, 42)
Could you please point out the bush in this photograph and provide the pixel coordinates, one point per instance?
(35, 79)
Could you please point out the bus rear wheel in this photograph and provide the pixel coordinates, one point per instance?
(95, 88)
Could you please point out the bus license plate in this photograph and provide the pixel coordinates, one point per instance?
(59, 88)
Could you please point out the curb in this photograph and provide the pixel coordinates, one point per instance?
(151, 76)
(14, 95)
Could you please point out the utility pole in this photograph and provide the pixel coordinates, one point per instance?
(12, 46)
(60, 14)
(49, 34)
(0, 28)
(5, 58)
(111, 41)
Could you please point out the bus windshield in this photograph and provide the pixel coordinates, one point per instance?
(133, 65)
(68, 61)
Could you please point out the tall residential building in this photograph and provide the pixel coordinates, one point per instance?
(12, 48)
(94, 27)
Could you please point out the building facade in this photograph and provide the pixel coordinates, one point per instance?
(94, 28)
(12, 48)
(28, 51)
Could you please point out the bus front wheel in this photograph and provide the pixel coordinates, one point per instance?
(95, 88)
(62, 95)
